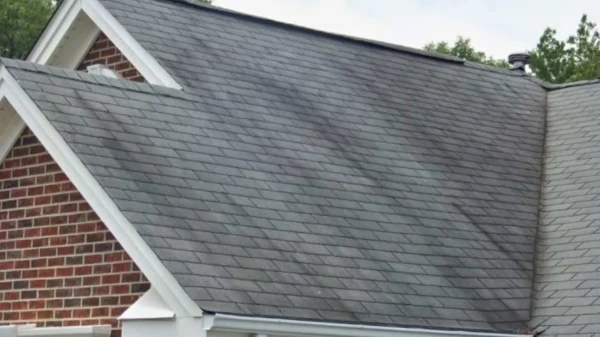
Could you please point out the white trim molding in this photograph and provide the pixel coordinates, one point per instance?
(73, 29)
(161, 279)
(11, 127)
(150, 306)
(31, 330)
(272, 326)
(55, 32)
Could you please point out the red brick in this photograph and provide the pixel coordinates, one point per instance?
(37, 283)
(62, 314)
(81, 313)
(19, 305)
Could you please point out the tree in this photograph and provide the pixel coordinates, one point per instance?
(577, 58)
(463, 49)
(21, 22)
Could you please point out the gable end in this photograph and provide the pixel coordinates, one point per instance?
(74, 28)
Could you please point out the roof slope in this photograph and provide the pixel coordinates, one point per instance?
(307, 176)
(567, 285)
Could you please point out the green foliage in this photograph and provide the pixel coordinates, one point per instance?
(463, 49)
(21, 22)
(577, 58)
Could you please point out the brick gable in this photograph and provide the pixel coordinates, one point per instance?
(59, 264)
(103, 51)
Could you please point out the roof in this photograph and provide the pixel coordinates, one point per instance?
(568, 261)
(291, 220)
(305, 175)
(423, 174)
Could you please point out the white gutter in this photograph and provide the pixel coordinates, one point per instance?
(272, 326)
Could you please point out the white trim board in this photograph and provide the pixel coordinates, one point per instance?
(30, 330)
(72, 23)
(158, 275)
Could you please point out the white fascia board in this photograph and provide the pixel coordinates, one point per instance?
(128, 45)
(67, 39)
(55, 32)
(62, 26)
(158, 275)
(271, 326)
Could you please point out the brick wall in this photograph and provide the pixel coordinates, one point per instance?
(104, 52)
(59, 265)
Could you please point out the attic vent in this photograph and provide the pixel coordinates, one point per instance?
(518, 61)
(100, 69)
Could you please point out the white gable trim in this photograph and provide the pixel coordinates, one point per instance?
(57, 29)
(64, 26)
(11, 127)
(158, 275)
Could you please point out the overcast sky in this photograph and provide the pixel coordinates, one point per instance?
(498, 27)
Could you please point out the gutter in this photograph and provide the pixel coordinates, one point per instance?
(273, 326)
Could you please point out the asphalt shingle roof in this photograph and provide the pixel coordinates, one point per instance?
(304, 175)
(353, 182)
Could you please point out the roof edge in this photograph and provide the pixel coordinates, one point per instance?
(379, 44)
(554, 87)
(277, 326)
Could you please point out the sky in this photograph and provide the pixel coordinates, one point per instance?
(497, 27)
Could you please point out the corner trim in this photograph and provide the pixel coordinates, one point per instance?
(158, 275)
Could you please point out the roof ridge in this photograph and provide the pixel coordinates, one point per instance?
(376, 43)
(553, 87)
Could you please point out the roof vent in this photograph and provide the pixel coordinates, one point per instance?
(518, 61)
(102, 70)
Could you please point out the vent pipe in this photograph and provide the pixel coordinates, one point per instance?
(102, 70)
(518, 61)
